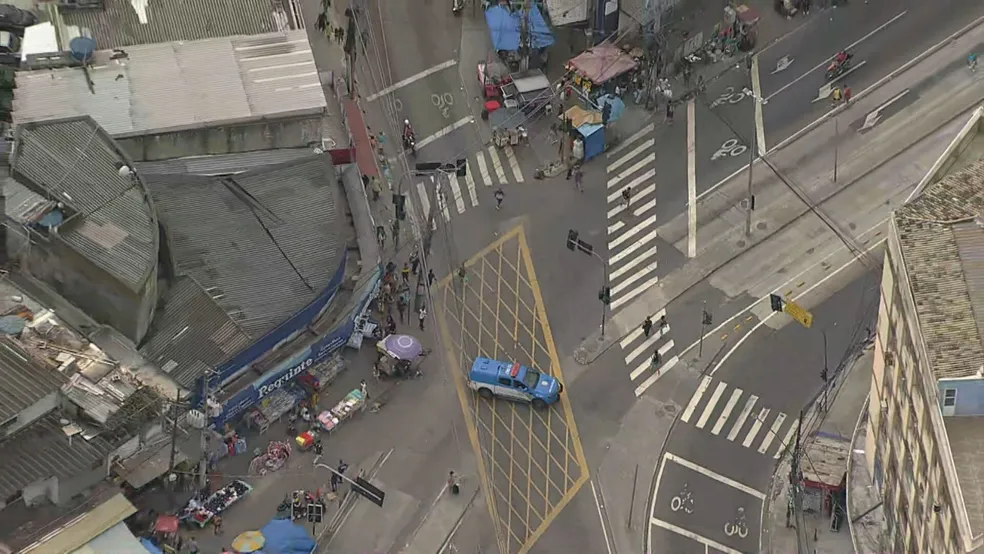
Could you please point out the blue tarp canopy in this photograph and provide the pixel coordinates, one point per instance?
(504, 27)
(151, 547)
(617, 106)
(285, 537)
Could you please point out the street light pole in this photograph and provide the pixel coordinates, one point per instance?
(604, 284)
(836, 141)
(823, 374)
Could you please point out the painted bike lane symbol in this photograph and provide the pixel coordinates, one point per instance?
(683, 501)
(729, 96)
(730, 148)
(443, 103)
(738, 527)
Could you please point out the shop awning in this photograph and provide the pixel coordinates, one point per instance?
(118, 539)
(83, 529)
(603, 62)
(504, 28)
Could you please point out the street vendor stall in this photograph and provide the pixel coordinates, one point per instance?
(399, 356)
(275, 457)
(354, 402)
(492, 75)
(601, 67)
(505, 30)
(201, 512)
(507, 128)
(527, 91)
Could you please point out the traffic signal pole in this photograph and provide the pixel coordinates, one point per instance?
(605, 295)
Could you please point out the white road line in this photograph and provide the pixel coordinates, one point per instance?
(617, 195)
(484, 170)
(695, 399)
(632, 248)
(627, 142)
(613, 244)
(456, 193)
(445, 131)
(787, 439)
(513, 163)
(715, 475)
(413, 78)
(756, 425)
(639, 350)
(638, 150)
(646, 364)
(601, 516)
(470, 182)
(757, 91)
(641, 210)
(614, 228)
(771, 435)
(828, 60)
(425, 202)
(691, 179)
(726, 413)
(644, 272)
(631, 337)
(643, 287)
(614, 275)
(614, 181)
(742, 416)
(661, 371)
(711, 404)
(442, 204)
(616, 210)
(497, 165)
(710, 543)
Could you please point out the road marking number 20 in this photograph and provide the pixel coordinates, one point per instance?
(730, 148)
(443, 103)
(730, 96)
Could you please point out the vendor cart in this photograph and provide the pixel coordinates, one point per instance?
(492, 75)
(200, 512)
(507, 128)
(399, 356)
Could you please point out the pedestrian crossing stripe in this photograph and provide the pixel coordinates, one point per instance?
(651, 143)
(742, 417)
(709, 409)
(756, 426)
(629, 141)
(728, 408)
(497, 165)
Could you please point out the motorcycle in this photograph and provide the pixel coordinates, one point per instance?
(838, 68)
(457, 6)
(409, 139)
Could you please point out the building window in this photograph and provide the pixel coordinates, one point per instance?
(949, 401)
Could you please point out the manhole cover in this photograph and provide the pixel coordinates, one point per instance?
(741, 244)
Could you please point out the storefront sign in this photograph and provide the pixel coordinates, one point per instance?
(291, 369)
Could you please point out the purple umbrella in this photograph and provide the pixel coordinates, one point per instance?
(403, 347)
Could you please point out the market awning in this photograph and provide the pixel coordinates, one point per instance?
(144, 467)
(118, 539)
(85, 528)
(602, 63)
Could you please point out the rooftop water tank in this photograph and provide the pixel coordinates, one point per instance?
(82, 49)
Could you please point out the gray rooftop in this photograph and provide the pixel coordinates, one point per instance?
(121, 24)
(22, 380)
(943, 249)
(179, 86)
(223, 164)
(966, 437)
(75, 162)
(254, 249)
(44, 449)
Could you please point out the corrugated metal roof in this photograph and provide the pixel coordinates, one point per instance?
(43, 450)
(942, 247)
(175, 86)
(74, 161)
(223, 164)
(237, 236)
(191, 333)
(89, 527)
(23, 381)
(120, 24)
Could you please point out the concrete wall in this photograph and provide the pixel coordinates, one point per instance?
(85, 285)
(34, 412)
(294, 132)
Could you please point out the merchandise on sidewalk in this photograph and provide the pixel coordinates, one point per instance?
(507, 127)
(200, 512)
(352, 403)
(281, 402)
(275, 457)
(399, 356)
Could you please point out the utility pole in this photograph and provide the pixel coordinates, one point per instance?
(824, 374)
(525, 39)
(795, 507)
(171, 479)
(836, 142)
(705, 320)
(203, 441)
(431, 216)
(750, 200)
(349, 47)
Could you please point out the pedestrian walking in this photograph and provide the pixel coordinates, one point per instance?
(401, 307)
(835, 96)
(381, 236)
(662, 323)
(364, 388)
(627, 196)
(322, 22)
(847, 94)
(570, 171)
(453, 485)
(405, 272)
(335, 481)
(217, 524)
(377, 189)
(319, 449)
(422, 315)
(430, 277)
(655, 361)
(579, 179)
(647, 326)
(499, 195)
(414, 261)
(669, 113)
(193, 546)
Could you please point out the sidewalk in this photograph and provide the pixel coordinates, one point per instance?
(839, 424)
(807, 164)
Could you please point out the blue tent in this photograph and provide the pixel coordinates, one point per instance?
(618, 106)
(504, 27)
(151, 547)
(286, 537)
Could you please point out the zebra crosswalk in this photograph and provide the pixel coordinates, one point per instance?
(488, 167)
(639, 350)
(632, 226)
(741, 419)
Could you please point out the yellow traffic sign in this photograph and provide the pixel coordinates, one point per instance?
(798, 313)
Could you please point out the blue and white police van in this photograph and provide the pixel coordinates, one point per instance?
(513, 381)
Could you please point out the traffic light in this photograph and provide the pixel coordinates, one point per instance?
(315, 512)
(571, 239)
(776, 302)
(400, 202)
(462, 170)
(605, 295)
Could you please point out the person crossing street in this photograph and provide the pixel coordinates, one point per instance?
(647, 326)
(499, 195)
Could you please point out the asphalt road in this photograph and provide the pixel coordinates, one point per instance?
(726, 443)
